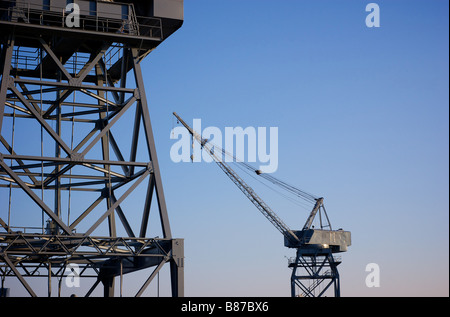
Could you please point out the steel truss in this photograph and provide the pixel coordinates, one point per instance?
(93, 257)
(313, 272)
(56, 85)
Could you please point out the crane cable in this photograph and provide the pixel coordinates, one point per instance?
(261, 205)
(294, 200)
(293, 190)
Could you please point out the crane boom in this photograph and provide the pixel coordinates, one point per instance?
(242, 185)
(315, 247)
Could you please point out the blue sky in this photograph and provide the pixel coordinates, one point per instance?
(362, 117)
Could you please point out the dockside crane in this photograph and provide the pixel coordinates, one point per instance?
(314, 264)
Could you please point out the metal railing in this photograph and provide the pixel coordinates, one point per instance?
(318, 259)
(98, 21)
(25, 58)
(29, 58)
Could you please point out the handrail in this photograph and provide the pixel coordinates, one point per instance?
(318, 259)
(89, 20)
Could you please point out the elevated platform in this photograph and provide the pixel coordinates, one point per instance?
(102, 258)
(336, 240)
(142, 24)
(102, 25)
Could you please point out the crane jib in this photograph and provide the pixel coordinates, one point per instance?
(240, 183)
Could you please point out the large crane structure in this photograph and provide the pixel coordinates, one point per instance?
(314, 268)
(76, 143)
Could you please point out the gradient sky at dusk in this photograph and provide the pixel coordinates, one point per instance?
(363, 121)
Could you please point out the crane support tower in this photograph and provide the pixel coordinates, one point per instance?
(314, 268)
(78, 162)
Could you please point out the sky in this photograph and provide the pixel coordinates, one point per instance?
(362, 117)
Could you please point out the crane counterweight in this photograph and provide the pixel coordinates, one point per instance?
(336, 240)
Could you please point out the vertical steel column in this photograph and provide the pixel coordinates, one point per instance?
(177, 268)
(6, 58)
(155, 183)
(151, 144)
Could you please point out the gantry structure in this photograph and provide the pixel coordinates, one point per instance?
(314, 267)
(80, 182)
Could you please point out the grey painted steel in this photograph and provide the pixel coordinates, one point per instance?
(7, 52)
(54, 77)
(151, 145)
(172, 9)
(337, 240)
(314, 271)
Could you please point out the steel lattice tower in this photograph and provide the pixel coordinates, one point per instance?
(314, 271)
(77, 143)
